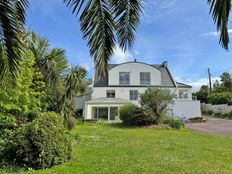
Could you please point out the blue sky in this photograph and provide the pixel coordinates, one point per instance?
(181, 32)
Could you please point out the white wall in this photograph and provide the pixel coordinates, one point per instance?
(134, 68)
(124, 92)
(189, 109)
(182, 107)
(223, 108)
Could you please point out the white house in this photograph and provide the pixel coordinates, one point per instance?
(126, 81)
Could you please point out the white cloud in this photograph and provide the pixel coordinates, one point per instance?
(120, 56)
(214, 33)
(196, 84)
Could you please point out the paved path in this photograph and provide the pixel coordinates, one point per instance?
(213, 126)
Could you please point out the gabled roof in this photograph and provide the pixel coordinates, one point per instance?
(166, 78)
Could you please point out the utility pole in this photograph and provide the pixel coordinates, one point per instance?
(210, 82)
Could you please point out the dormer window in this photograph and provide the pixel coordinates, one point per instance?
(124, 78)
(145, 78)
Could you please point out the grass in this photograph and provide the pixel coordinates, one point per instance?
(102, 148)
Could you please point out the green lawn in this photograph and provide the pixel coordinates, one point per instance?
(102, 148)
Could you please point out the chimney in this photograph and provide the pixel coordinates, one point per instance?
(165, 63)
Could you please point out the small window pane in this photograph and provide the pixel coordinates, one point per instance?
(110, 93)
(133, 94)
(124, 78)
(145, 78)
(183, 94)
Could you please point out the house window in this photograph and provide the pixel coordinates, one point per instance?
(124, 78)
(110, 93)
(145, 78)
(133, 94)
(183, 94)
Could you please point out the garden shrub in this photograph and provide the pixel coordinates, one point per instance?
(134, 116)
(71, 122)
(7, 122)
(208, 112)
(218, 114)
(40, 144)
(155, 102)
(173, 123)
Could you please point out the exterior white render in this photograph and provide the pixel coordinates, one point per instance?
(124, 84)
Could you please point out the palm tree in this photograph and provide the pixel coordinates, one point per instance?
(12, 18)
(75, 83)
(220, 10)
(51, 62)
(104, 21)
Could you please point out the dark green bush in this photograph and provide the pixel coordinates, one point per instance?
(71, 122)
(208, 112)
(218, 114)
(7, 122)
(40, 144)
(7, 125)
(134, 116)
(173, 123)
(225, 115)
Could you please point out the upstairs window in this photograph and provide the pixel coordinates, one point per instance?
(134, 94)
(110, 93)
(145, 78)
(124, 78)
(183, 94)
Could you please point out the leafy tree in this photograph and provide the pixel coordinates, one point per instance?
(19, 96)
(202, 95)
(155, 101)
(220, 98)
(226, 80)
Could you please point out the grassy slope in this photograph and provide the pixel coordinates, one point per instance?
(111, 149)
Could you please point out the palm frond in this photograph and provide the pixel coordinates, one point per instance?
(97, 26)
(127, 17)
(220, 10)
(75, 5)
(12, 17)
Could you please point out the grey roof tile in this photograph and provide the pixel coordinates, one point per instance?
(166, 77)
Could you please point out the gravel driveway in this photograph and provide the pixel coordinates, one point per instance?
(215, 126)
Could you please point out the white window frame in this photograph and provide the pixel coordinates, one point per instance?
(124, 81)
(183, 94)
(145, 78)
(134, 95)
